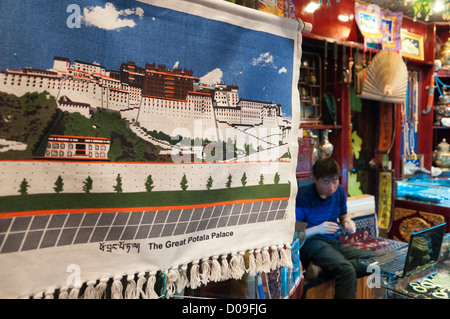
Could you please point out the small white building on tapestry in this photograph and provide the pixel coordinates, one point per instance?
(67, 147)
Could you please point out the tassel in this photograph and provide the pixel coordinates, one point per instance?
(49, 294)
(274, 259)
(195, 275)
(205, 274)
(258, 261)
(172, 277)
(216, 271)
(266, 265)
(286, 259)
(117, 288)
(100, 289)
(183, 280)
(89, 293)
(39, 295)
(251, 263)
(242, 262)
(150, 289)
(226, 274)
(63, 293)
(236, 266)
(131, 291)
(140, 285)
(75, 291)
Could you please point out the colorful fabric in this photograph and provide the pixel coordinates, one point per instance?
(140, 137)
(391, 24)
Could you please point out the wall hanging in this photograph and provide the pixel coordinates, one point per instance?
(140, 137)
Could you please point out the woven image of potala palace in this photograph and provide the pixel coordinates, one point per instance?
(172, 101)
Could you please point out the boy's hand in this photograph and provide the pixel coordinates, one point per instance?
(349, 226)
(328, 228)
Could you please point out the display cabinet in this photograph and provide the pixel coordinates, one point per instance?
(310, 88)
(315, 117)
(420, 203)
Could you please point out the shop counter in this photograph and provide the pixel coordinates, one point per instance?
(421, 202)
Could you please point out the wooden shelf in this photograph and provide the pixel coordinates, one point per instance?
(320, 127)
(440, 127)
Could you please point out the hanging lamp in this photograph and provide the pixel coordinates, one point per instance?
(422, 5)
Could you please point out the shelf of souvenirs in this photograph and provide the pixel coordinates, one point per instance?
(309, 126)
(443, 73)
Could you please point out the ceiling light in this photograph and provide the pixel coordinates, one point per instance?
(438, 6)
(312, 7)
(344, 18)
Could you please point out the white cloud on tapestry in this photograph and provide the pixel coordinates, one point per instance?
(109, 18)
(264, 59)
(212, 77)
(282, 70)
(267, 59)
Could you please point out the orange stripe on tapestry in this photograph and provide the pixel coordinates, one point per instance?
(132, 209)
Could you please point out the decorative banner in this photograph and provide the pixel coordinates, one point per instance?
(391, 24)
(386, 128)
(144, 137)
(384, 200)
(368, 19)
(378, 26)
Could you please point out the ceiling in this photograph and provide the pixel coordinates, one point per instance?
(399, 5)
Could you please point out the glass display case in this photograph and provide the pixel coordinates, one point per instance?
(435, 191)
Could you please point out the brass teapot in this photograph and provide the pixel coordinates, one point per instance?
(445, 55)
(441, 155)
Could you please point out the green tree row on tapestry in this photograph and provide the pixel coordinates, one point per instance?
(141, 199)
(88, 183)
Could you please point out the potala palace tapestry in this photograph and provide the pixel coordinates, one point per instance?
(144, 138)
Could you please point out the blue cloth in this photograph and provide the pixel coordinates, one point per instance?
(314, 210)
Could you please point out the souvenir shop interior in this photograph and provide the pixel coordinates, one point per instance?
(374, 95)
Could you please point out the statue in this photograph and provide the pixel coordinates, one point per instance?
(442, 107)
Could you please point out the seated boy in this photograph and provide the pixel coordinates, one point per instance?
(322, 205)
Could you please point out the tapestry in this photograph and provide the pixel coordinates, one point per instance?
(391, 24)
(380, 28)
(368, 19)
(384, 200)
(142, 140)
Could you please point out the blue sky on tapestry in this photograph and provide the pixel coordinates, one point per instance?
(36, 31)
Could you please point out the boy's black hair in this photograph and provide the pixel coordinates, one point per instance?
(326, 167)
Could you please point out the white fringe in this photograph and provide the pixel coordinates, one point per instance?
(195, 275)
(226, 273)
(172, 277)
(100, 289)
(140, 285)
(216, 270)
(131, 292)
(183, 281)
(206, 271)
(176, 280)
(285, 256)
(266, 264)
(117, 288)
(150, 289)
(63, 293)
(251, 270)
(89, 293)
(258, 261)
